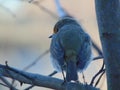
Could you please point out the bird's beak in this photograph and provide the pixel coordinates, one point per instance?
(50, 36)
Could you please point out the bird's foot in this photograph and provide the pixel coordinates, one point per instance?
(64, 82)
(77, 81)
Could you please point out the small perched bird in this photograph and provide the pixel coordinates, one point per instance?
(70, 48)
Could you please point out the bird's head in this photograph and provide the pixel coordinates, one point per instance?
(63, 21)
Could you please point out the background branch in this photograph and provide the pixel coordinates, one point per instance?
(36, 60)
(8, 10)
(7, 84)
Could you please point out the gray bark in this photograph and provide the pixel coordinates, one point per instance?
(108, 16)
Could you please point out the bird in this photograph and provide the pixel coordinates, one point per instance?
(70, 48)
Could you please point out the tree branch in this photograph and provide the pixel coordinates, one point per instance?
(98, 73)
(99, 57)
(7, 84)
(36, 60)
(8, 10)
(108, 18)
(40, 80)
(61, 11)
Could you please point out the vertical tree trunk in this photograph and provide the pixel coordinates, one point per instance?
(108, 16)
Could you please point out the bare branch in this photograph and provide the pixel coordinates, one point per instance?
(61, 11)
(53, 73)
(30, 87)
(3, 85)
(100, 77)
(95, 46)
(99, 57)
(39, 80)
(30, 1)
(7, 83)
(29, 78)
(8, 10)
(36, 60)
(45, 10)
(98, 73)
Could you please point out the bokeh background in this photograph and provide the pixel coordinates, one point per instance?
(25, 28)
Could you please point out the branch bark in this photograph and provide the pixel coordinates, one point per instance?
(108, 16)
(40, 80)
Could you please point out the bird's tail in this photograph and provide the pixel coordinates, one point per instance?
(71, 71)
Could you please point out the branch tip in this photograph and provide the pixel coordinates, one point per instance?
(6, 63)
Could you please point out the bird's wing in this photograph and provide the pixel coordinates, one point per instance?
(85, 54)
(57, 53)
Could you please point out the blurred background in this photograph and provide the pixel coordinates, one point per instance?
(25, 26)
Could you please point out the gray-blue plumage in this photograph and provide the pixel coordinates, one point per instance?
(70, 45)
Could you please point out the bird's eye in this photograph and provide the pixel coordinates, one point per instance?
(55, 30)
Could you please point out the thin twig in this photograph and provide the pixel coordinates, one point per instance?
(33, 63)
(32, 1)
(83, 76)
(36, 60)
(99, 57)
(100, 71)
(53, 73)
(30, 87)
(95, 46)
(3, 85)
(61, 11)
(8, 10)
(7, 83)
(99, 78)
(46, 10)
